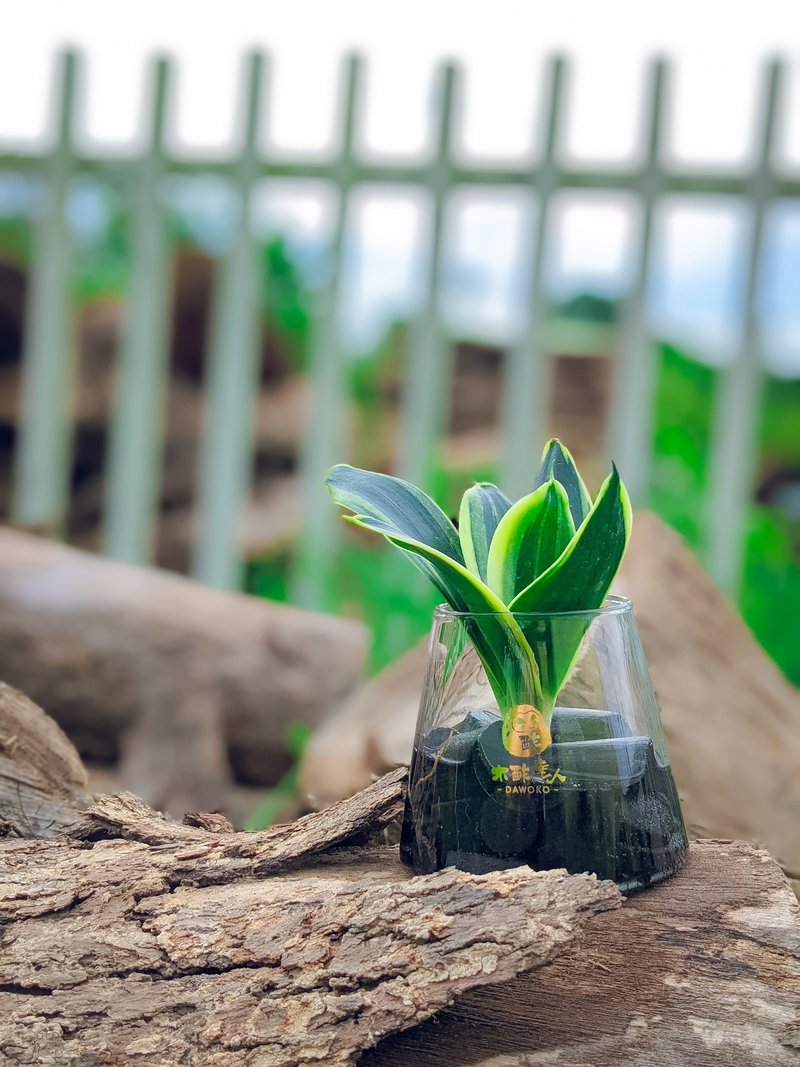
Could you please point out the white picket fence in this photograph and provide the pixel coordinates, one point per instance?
(43, 455)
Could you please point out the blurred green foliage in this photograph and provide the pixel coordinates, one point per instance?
(770, 596)
(682, 432)
(15, 238)
(770, 591)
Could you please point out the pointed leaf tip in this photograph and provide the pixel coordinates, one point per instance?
(530, 536)
(557, 463)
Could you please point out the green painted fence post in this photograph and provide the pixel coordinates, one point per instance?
(323, 445)
(635, 371)
(134, 466)
(43, 452)
(526, 395)
(428, 371)
(226, 449)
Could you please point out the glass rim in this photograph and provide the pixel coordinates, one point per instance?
(612, 605)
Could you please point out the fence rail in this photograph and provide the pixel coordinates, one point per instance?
(43, 448)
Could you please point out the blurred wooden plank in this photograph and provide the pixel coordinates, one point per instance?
(702, 970)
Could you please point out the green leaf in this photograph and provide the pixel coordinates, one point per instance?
(509, 663)
(581, 576)
(529, 538)
(579, 580)
(557, 462)
(482, 508)
(396, 503)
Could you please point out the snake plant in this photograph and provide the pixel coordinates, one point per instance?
(507, 566)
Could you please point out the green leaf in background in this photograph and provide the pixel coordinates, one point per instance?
(579, 580)
(280, 798)
(557, 462)
(396, 503)
(509, 663)
(529, 538)
(482, 508)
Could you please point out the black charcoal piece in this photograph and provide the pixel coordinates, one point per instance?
(583, 724)
(479, 863)
(476, 720)
(490, 753)
(509, 825)
(620, 761)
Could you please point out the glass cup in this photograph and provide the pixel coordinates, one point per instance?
(590, 790)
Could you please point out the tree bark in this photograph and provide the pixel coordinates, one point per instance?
(139, 940)
(701, 971)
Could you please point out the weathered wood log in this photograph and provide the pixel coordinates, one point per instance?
(701, 971)
(193, 676)
(141, 940)
(43, 784)
(123, 952)
(730, 717)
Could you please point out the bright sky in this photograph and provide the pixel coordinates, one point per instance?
(717, 46)
(716, 42)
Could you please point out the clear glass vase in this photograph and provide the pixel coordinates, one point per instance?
(585, 785)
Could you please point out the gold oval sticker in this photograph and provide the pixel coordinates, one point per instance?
(525, 733)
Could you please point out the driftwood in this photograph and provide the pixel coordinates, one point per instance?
(187, 684)
(138, 940)
(43, 784)
(702, 971)
(730, 718)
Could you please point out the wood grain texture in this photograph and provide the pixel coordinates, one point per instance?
(149, 942)
(702, 971)
(43, 784)
(137, 940)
